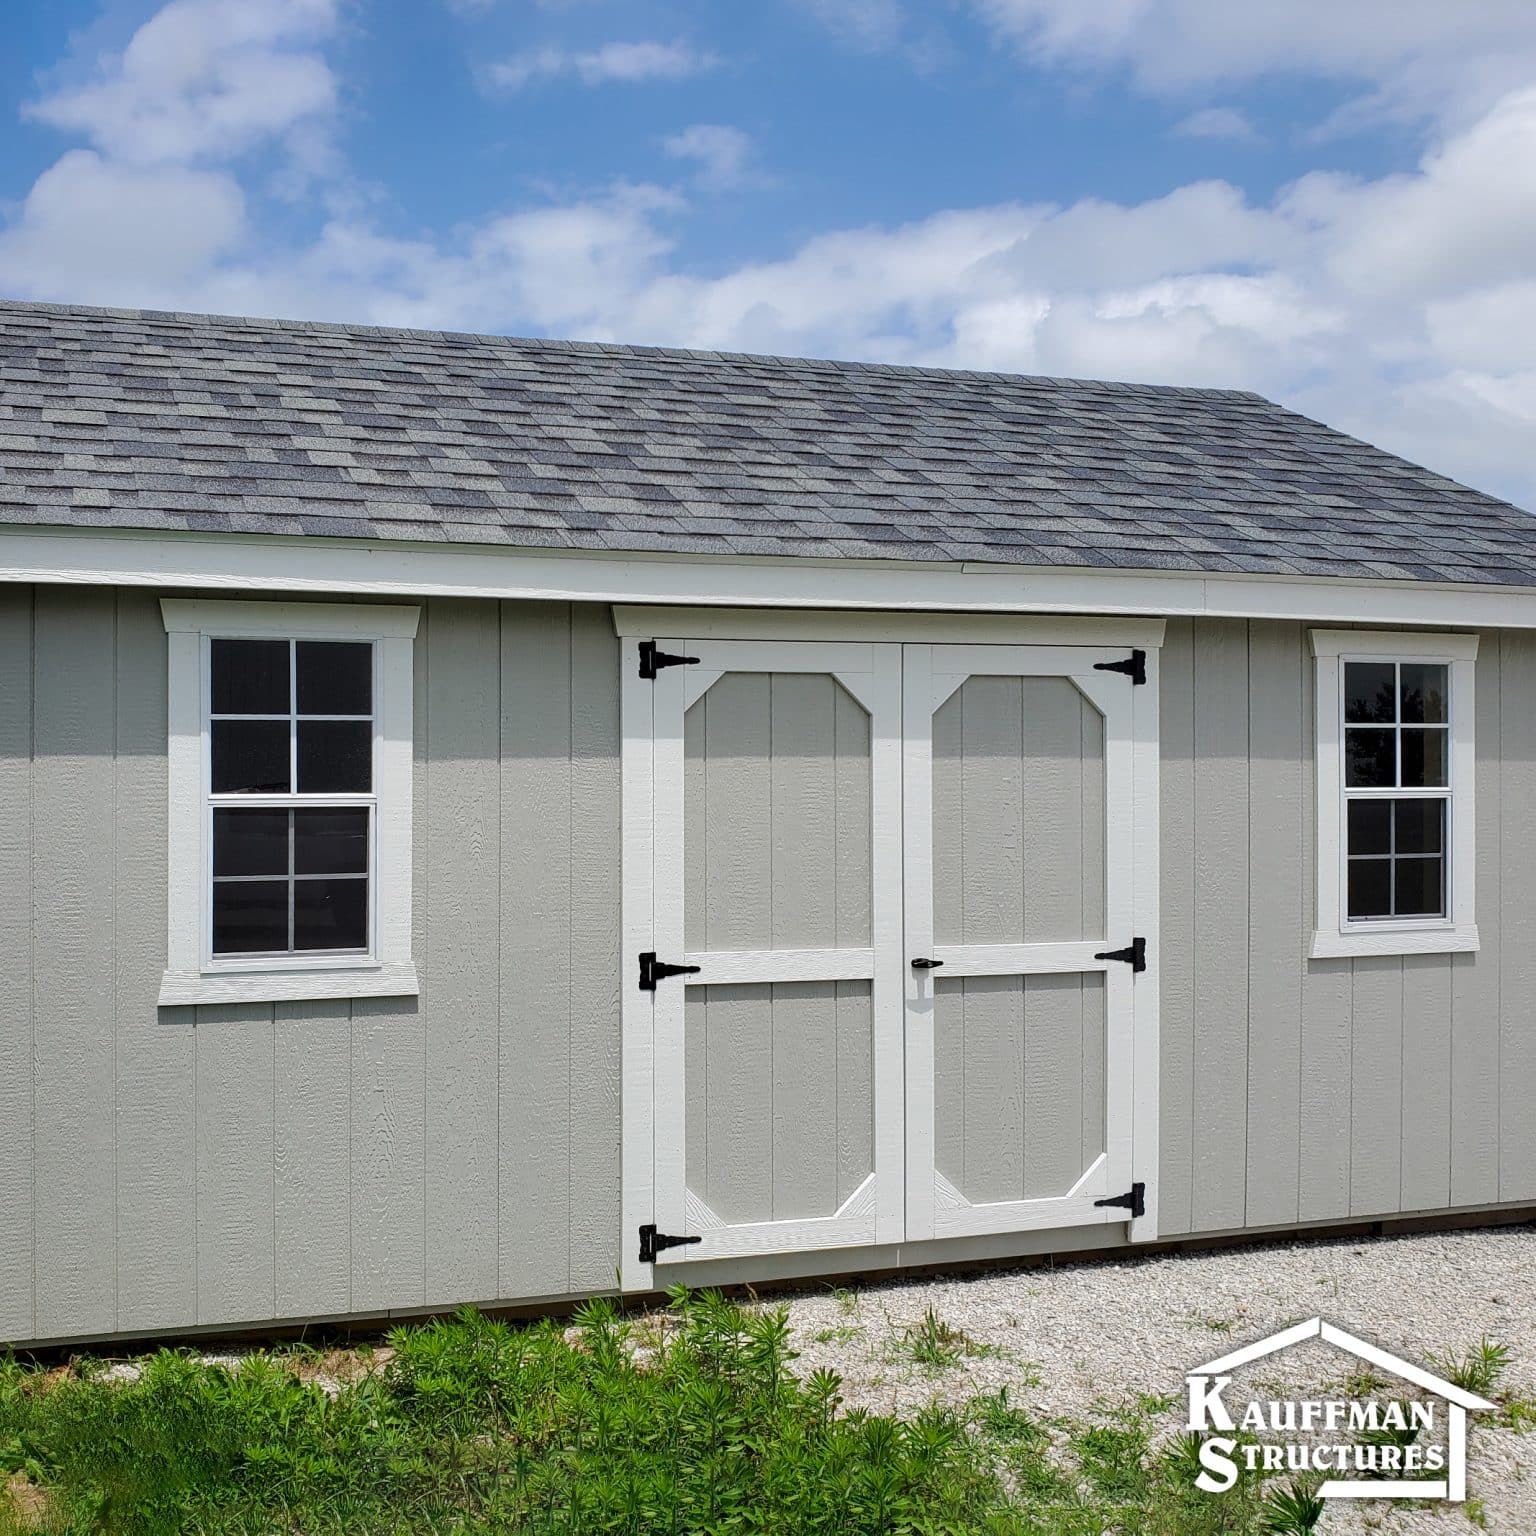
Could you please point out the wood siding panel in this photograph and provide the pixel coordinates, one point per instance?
(536, 970)
(1426, 1115)
(1221, 924)
(462, 1003)
(16, 975)
(1475, 1010)
(597, 966)
(312, 1102)
(1176, 948)
(236, 1250)
(156, 1089)
(1517, 905)
(1277, 933)
(74, 995)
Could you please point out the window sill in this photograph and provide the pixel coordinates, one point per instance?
(1443, 940)
(179, 988)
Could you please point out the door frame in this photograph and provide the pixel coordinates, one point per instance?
(638, 926)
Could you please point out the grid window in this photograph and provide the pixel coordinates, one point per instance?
(290, 773)
(1396, 788)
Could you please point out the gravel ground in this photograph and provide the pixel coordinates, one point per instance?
(1072, 1340)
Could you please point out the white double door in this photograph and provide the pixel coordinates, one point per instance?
(897, 878)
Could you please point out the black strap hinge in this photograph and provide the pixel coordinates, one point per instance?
(1134, 954)
(1134, 1200)
(653, 970)
(652, 660)
(653, 1242)
(1134, 666)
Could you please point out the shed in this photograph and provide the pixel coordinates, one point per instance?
(491, 821)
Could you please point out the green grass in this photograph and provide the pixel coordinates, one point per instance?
(691, 1424)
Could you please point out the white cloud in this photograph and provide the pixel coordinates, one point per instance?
(1217, 123)
(1413, 56)
(624, 63)
(722, 154)
(875, 24)
(203, 79)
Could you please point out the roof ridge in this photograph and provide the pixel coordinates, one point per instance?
(631, 349)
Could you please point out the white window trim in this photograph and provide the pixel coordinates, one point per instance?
(1336, 935)
(191, 976)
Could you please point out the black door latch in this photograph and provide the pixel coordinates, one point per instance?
(653, 970)
(1134, 1200)
(652, 660)
(1134, 954)
(1134, 666)
(926, 965)
(653, 1242)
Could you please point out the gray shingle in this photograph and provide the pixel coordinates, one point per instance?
(129, 419)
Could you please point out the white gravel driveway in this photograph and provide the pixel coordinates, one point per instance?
(1072, 1339)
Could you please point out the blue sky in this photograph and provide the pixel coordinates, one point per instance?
(1332, 203)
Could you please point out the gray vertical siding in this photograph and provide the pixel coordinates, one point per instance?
(1296, 1090)
(168, 1168)
(171, 1167)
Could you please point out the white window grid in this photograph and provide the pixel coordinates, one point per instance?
(295, 798)
(1440, 792)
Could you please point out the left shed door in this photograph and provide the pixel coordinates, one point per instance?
(774, 868)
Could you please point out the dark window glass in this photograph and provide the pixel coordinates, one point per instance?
(1423, 693)
(330, 842)
(1424, 757)
(330, 914)
(250, 843)
(1420, 826)
(1418, 887)
(1370, 691)
(250, 916)
(335, 677)
(1370, 826)
(1370, 758)
(249, 677)
(335, 757)
(1370, 887)
(249, 756)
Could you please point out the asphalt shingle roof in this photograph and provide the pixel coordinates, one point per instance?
(140, 419)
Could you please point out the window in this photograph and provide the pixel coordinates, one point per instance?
(1395, 793)
(290, 758)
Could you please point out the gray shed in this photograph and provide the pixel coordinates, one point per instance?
(492, 821)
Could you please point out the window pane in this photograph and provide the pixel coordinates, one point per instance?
(1420, 826)
(250, 677)
(1370, 887)
(1370, 759)
(1423, 693)
(335, 757)
(333, 842)
(330, 914)
(250, 843)
(1369, 690)
(335, 677)
(250, 916)
(1370, 826)
(249, 756)
(1424, 757)
(1418, 885)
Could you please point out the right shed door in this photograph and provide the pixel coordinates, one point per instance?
(1018, 809)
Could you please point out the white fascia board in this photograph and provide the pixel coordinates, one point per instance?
(281, 564)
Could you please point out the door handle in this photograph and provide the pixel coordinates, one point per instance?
(926, 965)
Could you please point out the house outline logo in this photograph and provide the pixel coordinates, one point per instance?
(1208, 1381)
